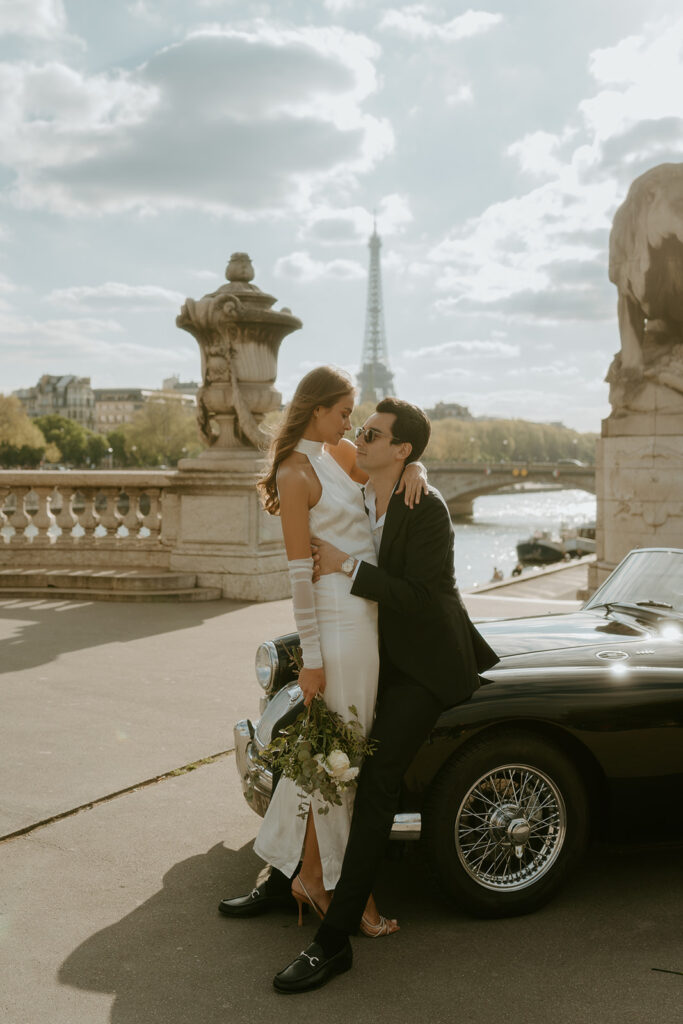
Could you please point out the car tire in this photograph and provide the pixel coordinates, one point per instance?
(505, 822)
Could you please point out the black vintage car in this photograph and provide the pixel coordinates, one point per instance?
(577, 731)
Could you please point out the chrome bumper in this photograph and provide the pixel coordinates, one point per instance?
(256, 780)
(406, 827)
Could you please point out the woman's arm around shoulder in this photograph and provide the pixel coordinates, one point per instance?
(344, 454)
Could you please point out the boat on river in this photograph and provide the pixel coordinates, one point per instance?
(546, 548)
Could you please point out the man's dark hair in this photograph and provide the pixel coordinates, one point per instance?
(411, 424)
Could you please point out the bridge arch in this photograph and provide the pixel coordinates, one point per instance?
(461, 483)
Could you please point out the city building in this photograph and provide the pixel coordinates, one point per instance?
(116, 406)
(187, 387)
(68, 396)
(449, 410)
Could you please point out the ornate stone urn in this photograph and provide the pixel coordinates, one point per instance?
(239, 337)
(215, 523)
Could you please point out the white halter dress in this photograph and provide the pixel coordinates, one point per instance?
(348, 642)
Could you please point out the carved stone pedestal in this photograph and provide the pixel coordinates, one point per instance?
(223, 534)
(639, 483)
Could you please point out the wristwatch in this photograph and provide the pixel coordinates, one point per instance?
(348, 565)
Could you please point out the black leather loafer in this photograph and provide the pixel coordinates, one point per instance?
(311, 969)
(258, 901)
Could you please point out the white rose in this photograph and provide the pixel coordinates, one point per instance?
(338, 763)
(348, 775)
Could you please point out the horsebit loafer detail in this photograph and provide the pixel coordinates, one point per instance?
(258, 901)
(311, 969)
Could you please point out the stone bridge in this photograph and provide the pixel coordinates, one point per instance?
(462, 482)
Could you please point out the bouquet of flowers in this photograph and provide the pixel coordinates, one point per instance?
(320, 752)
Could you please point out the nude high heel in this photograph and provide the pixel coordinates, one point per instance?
(302, 895)
(385, 926)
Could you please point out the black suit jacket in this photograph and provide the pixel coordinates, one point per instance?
(424, 627)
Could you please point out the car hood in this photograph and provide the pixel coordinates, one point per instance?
(509, 637)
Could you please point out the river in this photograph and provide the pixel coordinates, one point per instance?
(500, 520)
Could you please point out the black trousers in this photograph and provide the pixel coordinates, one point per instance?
(406, 714)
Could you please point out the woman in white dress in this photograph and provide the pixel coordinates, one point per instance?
(313, 484)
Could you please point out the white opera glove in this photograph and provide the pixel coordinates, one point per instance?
(300, 575)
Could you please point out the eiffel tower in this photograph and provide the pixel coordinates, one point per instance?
(375, 379)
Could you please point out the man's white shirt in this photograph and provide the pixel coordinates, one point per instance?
(376, 525)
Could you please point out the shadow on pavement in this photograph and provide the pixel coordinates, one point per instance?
(588, 956)
(176, 959)
(49, 630)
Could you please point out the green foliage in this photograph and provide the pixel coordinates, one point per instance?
(22, 443)
(507, 441)
(78, 445)
(320, 752)
(96, 447)
(20, 457)
(16, 427)
(70, 437)
(159, 434)
(467, 440)
(117, 443)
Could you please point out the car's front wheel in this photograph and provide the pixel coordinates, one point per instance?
(504, 823)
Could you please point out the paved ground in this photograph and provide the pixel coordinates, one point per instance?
(108, 914)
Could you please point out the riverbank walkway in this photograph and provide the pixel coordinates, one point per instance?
(123, 823)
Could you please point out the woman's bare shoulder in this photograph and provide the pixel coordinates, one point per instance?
(344, 453)
(293, 473)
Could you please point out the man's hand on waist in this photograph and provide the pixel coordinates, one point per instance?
(327, 559)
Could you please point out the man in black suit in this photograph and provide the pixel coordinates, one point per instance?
(430, 657)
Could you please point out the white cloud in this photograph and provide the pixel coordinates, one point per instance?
(86, 346)
(52, 116)
(462, 95)
(541, 255)
(476, 347)
(412, 22)
(300, 266)
(114, 296)
(335, 225)
(144, 11)
(43, 19)
(337, 6)
(511, 246)
(253, 122)
(636, 120)
(7, 287)
(538, 152)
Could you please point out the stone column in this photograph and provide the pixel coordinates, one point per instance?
(639, 468)
(639, 478)
(223, 534)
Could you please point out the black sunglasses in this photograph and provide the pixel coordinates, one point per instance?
(371, 433)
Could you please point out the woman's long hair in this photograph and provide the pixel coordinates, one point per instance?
(323, 386)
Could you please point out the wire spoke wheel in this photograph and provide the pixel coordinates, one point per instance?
(510, 827)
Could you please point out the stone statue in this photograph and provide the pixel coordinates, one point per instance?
(639, 457)
(239, 336)
(646, 265)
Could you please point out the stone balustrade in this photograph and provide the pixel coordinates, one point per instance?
(99, 518)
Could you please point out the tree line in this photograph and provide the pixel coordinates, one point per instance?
(517, 440)
(159, 434)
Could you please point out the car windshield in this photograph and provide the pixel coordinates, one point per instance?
(649, 578)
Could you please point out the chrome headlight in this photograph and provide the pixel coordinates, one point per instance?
(266, 665)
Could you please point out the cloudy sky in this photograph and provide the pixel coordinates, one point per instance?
(143, 142)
